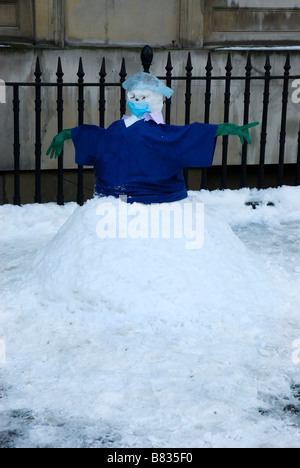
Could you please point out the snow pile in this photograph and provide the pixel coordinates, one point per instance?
(133, 341)
(151, 277)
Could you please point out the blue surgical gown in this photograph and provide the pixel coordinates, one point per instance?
(145, 161)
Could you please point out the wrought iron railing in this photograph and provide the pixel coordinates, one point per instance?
(147, 56)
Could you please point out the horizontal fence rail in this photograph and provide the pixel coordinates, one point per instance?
(146, 58)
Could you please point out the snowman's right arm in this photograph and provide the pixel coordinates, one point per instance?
(86, 140)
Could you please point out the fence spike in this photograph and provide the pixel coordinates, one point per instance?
(102, 70)
(268, 66)
(38, 142)
(147, 57)
(59, 72)
(80, 72)
(169, 66)
(263, 139)
(247, 95)
(60, 163)
(16, 111)
(123, 72)
(102, 101)
(249, 66)
(80, 75)
(189, 66)
(59, 67)
(123, 75)
(282, 140)
(228, 67)
(227, 97)
(188, 96)
(209, 67)
(287, 65)
(207, 101)
(37, 72)
(188, 93)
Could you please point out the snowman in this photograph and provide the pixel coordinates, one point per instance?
(140, 158)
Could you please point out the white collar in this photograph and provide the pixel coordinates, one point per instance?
(156, 117)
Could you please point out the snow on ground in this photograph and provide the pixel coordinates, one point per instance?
(134, 341)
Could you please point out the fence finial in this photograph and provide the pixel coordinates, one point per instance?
(37, 72)
(80, 72)
(147, 57)
(59, 72)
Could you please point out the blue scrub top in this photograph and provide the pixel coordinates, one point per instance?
(145, 161)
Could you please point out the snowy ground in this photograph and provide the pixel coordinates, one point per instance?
(143, 343)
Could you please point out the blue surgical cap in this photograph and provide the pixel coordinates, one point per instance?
(147, 81)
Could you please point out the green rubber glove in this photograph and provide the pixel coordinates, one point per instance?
(57, 144)
(232, 129)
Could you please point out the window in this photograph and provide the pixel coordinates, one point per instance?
(16, 20)
(251, 21)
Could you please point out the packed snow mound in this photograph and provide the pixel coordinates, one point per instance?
(169, 261)
(118, 334)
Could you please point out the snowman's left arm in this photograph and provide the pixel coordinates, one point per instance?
(196, 143)
(232, 129)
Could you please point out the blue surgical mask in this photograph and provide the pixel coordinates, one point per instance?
(138, 108)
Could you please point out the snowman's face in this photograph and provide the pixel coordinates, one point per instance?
(139, 96)
(154, 100)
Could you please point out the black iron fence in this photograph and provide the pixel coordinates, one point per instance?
(146, 57)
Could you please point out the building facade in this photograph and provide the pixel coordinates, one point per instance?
(131, 23)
